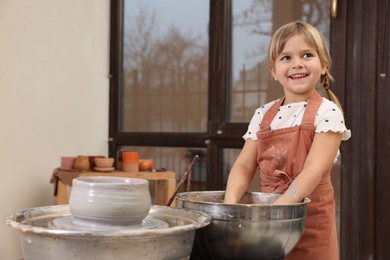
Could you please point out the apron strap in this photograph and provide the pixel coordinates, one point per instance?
(311, 109)
(270, 114)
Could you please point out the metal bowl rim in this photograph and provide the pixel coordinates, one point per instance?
(245, 205)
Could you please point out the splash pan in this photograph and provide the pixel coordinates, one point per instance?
(50, 233)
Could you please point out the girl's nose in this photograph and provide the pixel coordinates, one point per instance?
(297, 64)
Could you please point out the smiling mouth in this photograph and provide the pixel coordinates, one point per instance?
(298, 76)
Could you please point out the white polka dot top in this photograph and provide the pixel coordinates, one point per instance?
(329, 118)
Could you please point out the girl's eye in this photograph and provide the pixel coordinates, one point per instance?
(285, 58)
(308, 55)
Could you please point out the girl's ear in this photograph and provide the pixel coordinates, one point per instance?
(324, 69)
(271, 69)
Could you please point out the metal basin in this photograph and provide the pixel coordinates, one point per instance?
(41, 239)
(253, 229)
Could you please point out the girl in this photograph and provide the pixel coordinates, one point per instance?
(294, 140)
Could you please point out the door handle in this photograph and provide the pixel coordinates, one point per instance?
(333, 8)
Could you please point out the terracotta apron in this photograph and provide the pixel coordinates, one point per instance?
(281, 156)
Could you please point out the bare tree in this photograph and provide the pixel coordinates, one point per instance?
(167, 65)
(179, 56)
(138, 37)
(256, 18)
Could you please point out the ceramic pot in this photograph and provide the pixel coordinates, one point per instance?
(104, 162)
(145, 165)
(81, 163)
(92, 163)
(67, 162)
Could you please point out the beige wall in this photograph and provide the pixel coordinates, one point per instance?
(54, 62)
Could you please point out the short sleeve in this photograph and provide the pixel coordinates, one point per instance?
(330, 118)
(254, 125)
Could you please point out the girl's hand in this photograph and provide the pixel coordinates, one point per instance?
(318, 162)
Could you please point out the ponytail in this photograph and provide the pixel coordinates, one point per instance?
(325, 84)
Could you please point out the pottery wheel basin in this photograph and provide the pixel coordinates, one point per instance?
(42, 238)
(252, 229)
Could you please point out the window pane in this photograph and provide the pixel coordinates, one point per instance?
(165, 66)
(254, 22)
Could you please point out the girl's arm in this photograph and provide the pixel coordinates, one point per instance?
(319, 161)
(242, 172)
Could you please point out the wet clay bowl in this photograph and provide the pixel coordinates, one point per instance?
(110, 200)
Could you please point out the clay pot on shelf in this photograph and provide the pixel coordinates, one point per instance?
(81, 163)
(67, 162)
(130, 161)
(104, 162)
(145, 165)
(92, 163)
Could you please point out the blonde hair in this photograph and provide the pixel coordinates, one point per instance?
(314, 39)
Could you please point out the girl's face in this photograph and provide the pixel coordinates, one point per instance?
(298, 68)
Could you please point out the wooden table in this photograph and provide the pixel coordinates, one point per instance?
(164, 188)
